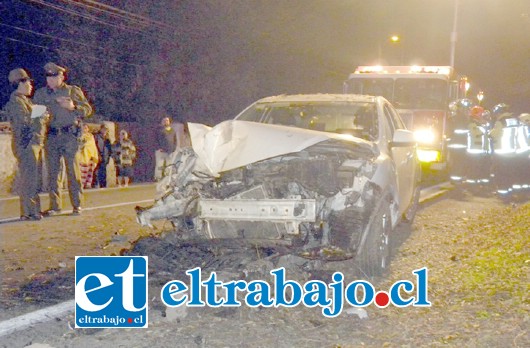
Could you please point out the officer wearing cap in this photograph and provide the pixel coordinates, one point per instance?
(68, 106)
(28, 139)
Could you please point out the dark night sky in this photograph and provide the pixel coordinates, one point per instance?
(493, 46)
(311, 46)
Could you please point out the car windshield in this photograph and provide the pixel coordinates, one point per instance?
(355, 118)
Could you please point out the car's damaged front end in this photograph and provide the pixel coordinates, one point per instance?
(270, 184)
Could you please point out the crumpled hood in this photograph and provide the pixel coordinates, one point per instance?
(233, 144)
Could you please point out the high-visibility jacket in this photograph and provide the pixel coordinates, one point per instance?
(458, 131)
(504, 136)
(477, 139)
(523, 138)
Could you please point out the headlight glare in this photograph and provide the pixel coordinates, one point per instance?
(424, 136)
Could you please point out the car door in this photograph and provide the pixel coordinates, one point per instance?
(404, 160)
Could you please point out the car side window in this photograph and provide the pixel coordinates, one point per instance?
(398, 122)
(390, 123)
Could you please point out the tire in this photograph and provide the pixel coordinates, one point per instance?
(373, 258)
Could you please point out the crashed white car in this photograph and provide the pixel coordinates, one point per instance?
(329, 176)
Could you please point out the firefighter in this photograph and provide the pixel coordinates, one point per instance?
(477, 152)
(457, 141)
(504, 141)
(522, 154)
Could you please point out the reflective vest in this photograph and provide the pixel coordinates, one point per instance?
(458, 139)
(504, 136)
(477, 139)
(523, 138)
(458, 131)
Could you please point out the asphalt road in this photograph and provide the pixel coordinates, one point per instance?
(93, 199)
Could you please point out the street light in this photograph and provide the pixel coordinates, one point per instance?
(394, 39)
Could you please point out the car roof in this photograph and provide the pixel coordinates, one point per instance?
(320, 97)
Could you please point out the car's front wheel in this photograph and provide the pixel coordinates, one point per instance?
(374, 256)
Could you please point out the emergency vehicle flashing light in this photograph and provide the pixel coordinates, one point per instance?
(415, 69)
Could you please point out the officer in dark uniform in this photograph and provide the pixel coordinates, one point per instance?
(68, 106)
(28, 139)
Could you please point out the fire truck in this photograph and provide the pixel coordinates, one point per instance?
(421, 95)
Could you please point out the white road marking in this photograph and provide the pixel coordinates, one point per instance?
(118, 204)
(66, 212)
(42, 315)
(45, 194)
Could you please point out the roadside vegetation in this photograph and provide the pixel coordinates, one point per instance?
(479, 280)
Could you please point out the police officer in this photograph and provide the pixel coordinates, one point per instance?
(28, 139)
(68, 106)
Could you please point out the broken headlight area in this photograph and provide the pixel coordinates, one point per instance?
(317, 200)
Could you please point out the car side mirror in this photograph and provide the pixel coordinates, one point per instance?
(403, 138)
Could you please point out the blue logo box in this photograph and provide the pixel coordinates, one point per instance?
(111, 292)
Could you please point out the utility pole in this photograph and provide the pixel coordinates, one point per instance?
(453, 35)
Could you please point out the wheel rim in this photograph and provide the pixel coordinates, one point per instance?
(383, 243)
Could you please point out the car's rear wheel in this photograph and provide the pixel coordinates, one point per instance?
(374, 256)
